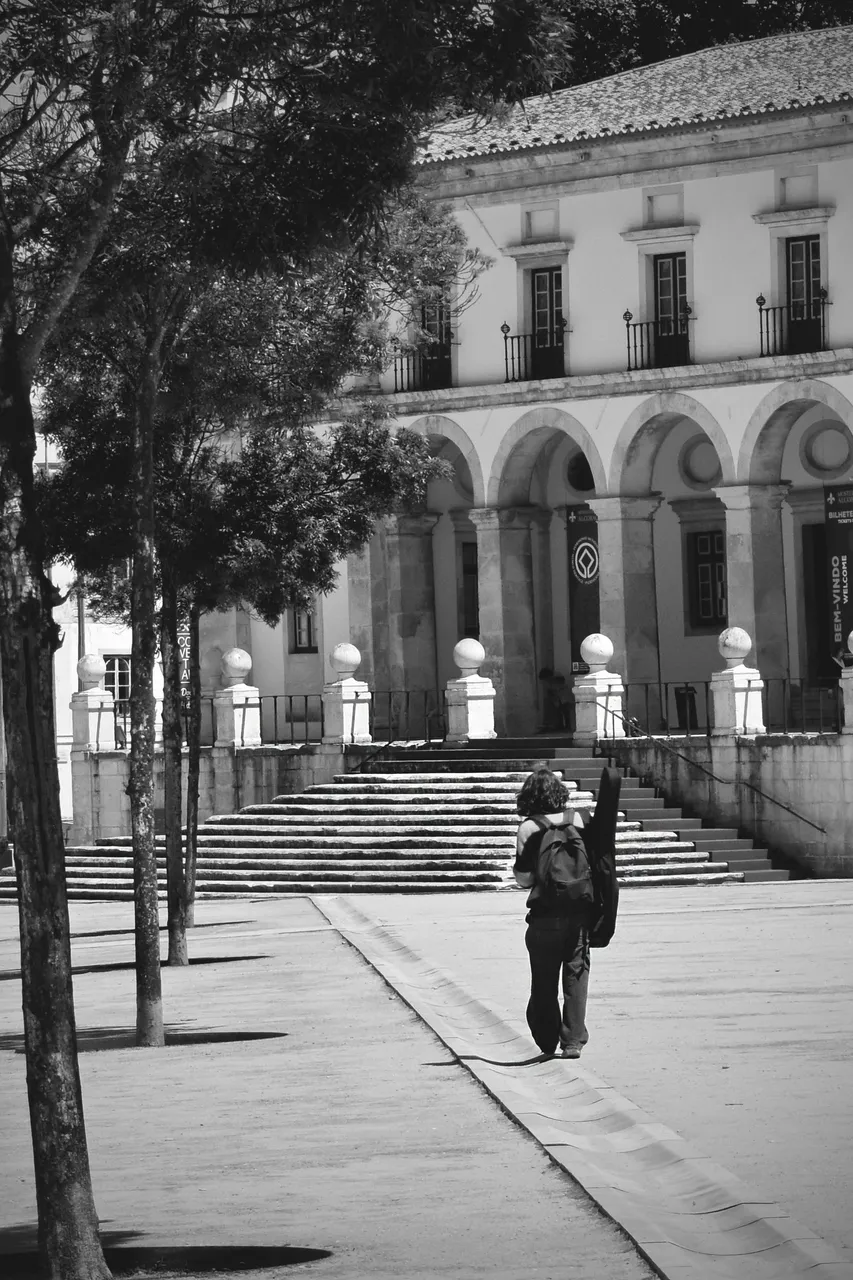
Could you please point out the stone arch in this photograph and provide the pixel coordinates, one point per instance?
(638, 441)
(434, 424)
(520, 449)
(760, 458)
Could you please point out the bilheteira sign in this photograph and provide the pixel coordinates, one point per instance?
(838, 506)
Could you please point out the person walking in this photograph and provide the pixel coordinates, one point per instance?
(557, 937)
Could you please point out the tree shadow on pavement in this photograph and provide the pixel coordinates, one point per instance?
(19, 1258)
(8, 975)
(95, 1039)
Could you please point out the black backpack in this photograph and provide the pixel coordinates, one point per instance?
(563, 874)
(599, 836)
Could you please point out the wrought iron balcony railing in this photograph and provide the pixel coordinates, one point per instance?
(426, 370)
(658, 344)
(535, 355)
(793, 329)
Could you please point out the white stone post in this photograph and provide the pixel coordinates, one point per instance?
(92, 712)
(471, 697)
(346, 701)
(736, 692)
(847, 692)
(237, 706)
(598, 695)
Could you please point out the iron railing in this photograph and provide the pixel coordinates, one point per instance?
(793, 329)
(407, 715)
(291, 718)
(671, 706)
(535, 355)
(802, 706)
(658, 344)
(121, 720)
(427, 370)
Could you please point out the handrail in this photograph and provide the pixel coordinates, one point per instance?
(383, 746)
(638, 731)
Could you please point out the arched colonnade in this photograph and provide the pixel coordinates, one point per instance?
(659, 533)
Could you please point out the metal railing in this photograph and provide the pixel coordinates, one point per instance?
(121, 721)
(802, 706)
(427, 370)
(534, 355)
(407, 715)
(793, 329)
(671, 706)
(290, 719)
(658, 344)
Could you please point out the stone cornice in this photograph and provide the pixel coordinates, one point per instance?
(537, 249)
(639, 382)
(784, 217)
(650, 235)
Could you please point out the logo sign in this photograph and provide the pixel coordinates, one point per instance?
(585, 561)
(838, 509)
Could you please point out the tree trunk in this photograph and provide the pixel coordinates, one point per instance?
(149, 1000)
(193, 765)
(68, 1223)
(172, 743)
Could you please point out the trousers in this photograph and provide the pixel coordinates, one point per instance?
(558, 946)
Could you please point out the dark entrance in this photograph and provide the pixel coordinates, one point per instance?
(819, 662)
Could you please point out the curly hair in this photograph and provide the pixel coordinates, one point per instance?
(543, 792)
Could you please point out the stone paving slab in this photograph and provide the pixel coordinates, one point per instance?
(349, 1129)
(723, 1013)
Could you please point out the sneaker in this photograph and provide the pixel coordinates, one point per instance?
(570, 1051)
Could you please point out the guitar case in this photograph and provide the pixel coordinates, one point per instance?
(600, 839)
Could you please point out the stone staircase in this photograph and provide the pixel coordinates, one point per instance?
(415, 820)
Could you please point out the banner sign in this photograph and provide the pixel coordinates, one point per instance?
(582, 528)
(184, 649)
(838, 507)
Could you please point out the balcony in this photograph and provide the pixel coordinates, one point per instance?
(529, 356)
(797, 328)
(426, 370)
(658, 344)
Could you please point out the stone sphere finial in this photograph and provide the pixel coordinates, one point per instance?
(469, 655)
(91, 669)
(734, 644)
(850, 643)
(344, 659)
(236, 665)
(596, 651)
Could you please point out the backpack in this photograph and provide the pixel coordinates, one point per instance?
(563, 874)
(599, 836)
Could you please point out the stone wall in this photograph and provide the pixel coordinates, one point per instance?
(230, 779)
(809, 773)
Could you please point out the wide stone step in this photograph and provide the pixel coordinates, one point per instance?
(362, 824)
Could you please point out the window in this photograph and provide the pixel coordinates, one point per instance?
(303, 637)
(435, 371)
(671, 345)
(470, 593)
(548, 322)
(805, 304)
(706, 579)
(117, 677)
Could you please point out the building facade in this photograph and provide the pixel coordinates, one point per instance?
(643, 403)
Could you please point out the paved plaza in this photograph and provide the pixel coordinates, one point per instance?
(303, 1102)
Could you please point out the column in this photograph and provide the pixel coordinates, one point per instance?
(561, 622)
(755, 570)
(626, 584)
(361, 612)
(507, 630)
(540, 549)
(411, 601)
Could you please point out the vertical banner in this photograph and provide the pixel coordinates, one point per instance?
(184, 649)
(582, 531)
(838, 509)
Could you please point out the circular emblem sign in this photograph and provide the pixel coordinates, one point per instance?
(585, 561)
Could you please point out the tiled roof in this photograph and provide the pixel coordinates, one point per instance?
(775, 74)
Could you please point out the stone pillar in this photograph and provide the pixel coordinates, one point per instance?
(755, 569)
(237, 706)
(598, 695)
(561, 621)
(736, 692)
(847, 693)
(507, 614)
(471, 698)
(346, 701)
(92, 711)
(626, 583)
(411, 601)
(361, 607)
